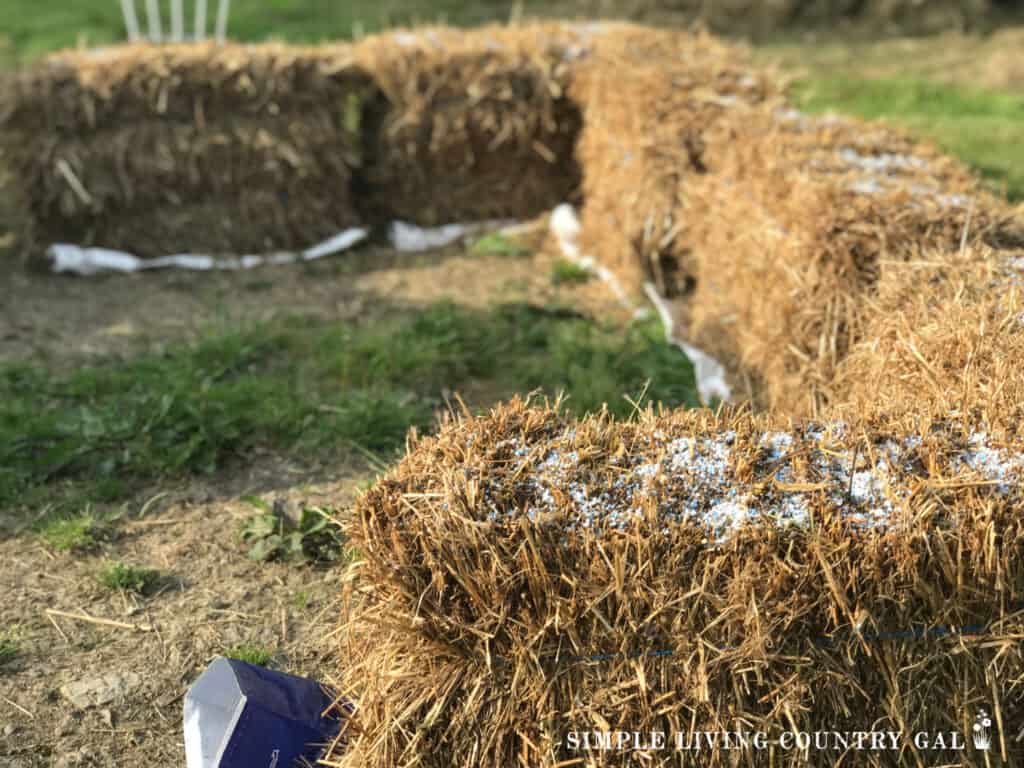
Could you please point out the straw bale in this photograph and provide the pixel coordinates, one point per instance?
(649, 97)
(943, 334)
(787, 230)
(191, 147)
(734, 572)
(476, 125)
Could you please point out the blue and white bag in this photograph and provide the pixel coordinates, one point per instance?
(239, 715)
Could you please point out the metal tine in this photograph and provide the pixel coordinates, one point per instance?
(131, 20)
(156, 32)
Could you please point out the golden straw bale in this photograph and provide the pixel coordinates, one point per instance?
(943, 335)
(787, 230)
(649, 96)
(186, 147)
(525, 575)
(473, 125)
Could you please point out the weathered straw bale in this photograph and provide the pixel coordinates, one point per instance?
(943, 334)
(474, 125)
(525, 576)
(194, 147)
(787, 230)
(649, 97)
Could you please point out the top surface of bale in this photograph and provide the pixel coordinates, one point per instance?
(73, 91)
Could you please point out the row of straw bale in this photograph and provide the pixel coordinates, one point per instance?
(791, 226)
(526, 576)
(292, 144)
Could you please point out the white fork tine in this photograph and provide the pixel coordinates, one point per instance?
(131, 21)
(200, 19)
(223, 9)
(153, 19)
(177, 20)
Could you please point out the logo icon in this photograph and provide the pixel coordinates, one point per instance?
(981, 732)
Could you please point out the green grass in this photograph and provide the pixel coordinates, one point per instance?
(250, 653)
(99, 433)
(130, 578)
(566, 271)
(9, 646)
(984, 128)
(497, 244)
(72, 534)
(32, 28)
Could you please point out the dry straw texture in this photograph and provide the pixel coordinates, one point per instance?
(788, 229)
(164, 149)
(739, 573)
(649, 97)
(472, 125)
(943, 334)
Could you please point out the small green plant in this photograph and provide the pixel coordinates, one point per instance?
(301, 600)
(73, 534)
(274, 536)
(250, 653)
(130, 578)
(497, 244)
(566, 271)
(8, 646)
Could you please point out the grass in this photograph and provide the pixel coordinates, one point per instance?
(9, 646)
(72, 534)
(129, 578)
(565, 271)
(985, 128)
(497, 244)
(250, 653)
(97, 434)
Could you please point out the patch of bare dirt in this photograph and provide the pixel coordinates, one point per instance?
(211, 597)
(63, 319)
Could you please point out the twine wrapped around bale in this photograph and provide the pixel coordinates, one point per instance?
(186, 147)
(473, 125)
(526, 576)
(789, 226)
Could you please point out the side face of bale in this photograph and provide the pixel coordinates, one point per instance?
(943, 334)
(472, 126)
(526, 577)
(788, 231)
(649, 98)
(192, 147)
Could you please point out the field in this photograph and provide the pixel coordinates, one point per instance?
(161, 433)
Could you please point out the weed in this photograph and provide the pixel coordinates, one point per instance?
(566, 271)
(250, 653)
(130, 578)
(301, 600)
(497, 244)
(9, 646)
(73, 534)
(273, 536)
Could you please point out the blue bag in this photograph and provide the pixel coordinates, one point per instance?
(239, 715)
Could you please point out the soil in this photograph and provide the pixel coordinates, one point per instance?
(212, 595)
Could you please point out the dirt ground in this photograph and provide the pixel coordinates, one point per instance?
(212, 596)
